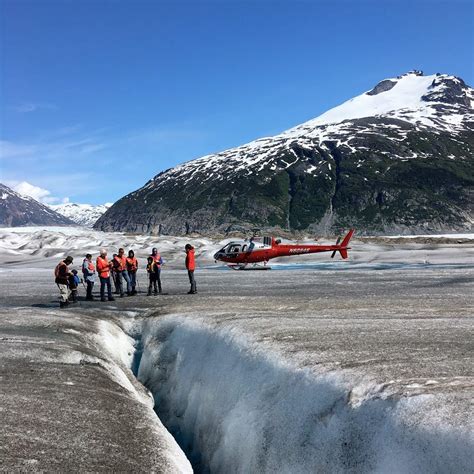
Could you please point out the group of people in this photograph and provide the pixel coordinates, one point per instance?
(121, 271)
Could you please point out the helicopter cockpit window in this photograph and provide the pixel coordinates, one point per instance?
(244, 248)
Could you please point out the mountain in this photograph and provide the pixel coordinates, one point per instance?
(82, 214)
(395, 159)
(17, 210)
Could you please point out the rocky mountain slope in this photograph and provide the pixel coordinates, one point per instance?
(396, 159)
(82, 214)
(17, 210)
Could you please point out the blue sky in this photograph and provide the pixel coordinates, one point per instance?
(99, 96)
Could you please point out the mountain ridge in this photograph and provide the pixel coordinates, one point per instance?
(19, 210)
(82, 214)
(397, 158)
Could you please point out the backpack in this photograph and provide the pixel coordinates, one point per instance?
(56, 270)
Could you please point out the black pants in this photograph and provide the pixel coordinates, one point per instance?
(192, 281)
(90, 285)
(155, 282)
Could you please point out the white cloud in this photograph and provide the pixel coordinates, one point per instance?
(40, 194)
(27, 107)
(14, 150)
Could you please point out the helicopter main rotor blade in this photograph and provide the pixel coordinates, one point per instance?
(337, 243)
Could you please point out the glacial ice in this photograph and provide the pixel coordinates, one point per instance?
(236, 408)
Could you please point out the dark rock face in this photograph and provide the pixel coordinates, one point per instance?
(17, 210)
(382, 87)
(403, 171)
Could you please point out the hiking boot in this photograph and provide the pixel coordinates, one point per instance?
(149, 293)
(103, 299)
(111, 298)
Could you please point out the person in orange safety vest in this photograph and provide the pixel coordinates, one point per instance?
(132, 267)
(103, 269)
(157, 262)
(120, 268)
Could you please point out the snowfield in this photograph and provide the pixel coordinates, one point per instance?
(82, 214)
(316, 366)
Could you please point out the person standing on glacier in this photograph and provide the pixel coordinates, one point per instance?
(158, 262)
(103, 269)
(88, 271)
(132, 267)
(62, 274)
(190, 267)
(120, 267)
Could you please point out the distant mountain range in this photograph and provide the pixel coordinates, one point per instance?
(396, 159)
(17, 210)
(82, 214)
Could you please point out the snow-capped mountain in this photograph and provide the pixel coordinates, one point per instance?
(82, 214)
(17, 210)
(396, 158)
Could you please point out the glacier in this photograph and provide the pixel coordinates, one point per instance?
(330, 367)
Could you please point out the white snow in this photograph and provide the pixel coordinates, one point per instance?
(406, 94)
(82, 214)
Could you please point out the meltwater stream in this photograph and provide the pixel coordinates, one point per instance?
(234, 408)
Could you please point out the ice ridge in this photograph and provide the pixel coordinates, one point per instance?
(234, 408)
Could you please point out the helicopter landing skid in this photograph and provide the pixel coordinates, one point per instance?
(248, 267)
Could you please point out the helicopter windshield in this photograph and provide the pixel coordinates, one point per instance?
(233, 247)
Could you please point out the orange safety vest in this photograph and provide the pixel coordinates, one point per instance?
(156, 258)
(103, 267)
(132, 264)
(120, 263)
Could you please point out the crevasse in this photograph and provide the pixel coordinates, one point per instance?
(233, 407)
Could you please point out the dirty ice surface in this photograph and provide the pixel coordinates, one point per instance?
(359, 366)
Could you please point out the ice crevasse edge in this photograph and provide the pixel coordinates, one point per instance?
(234, 408)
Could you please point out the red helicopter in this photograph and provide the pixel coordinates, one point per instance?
(247, 254)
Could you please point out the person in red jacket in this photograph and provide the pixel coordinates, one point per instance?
(103, 269)
(190, 266)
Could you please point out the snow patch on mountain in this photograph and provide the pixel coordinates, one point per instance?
(412, 102)
(82, 214)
